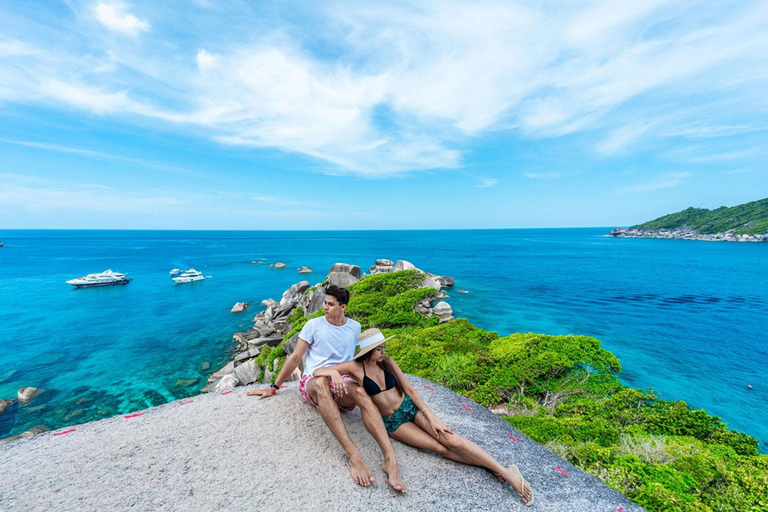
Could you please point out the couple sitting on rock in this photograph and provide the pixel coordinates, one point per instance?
(336, 378)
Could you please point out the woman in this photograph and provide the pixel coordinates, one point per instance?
(406, 415)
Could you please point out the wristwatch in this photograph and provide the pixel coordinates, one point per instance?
(275, 387)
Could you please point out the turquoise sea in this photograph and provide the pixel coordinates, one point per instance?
(685, 318)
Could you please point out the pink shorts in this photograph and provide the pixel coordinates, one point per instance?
(336, 394)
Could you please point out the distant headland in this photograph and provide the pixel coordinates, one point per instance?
(742, 223)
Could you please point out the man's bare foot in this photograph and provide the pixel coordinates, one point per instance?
(360, 472)
(521, 487)
(392, 469)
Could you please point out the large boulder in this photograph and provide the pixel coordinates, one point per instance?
(446, 281)
(5, 405)
(25, 395)
(305, 270)
(279, 264)
(342, 279)
(285, 308)
(247, 373)
(430, 282)
(346, 269)
(404, 265)
(315, 300)
(294, 290)
(384, 263)
(228, 381)
(444, 311)
(290, 345)
(270, 340)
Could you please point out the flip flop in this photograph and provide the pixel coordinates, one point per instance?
(516, 472)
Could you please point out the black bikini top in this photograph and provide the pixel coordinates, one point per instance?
(372, 388)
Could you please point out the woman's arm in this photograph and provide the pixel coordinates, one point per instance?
(432, 423)
(335, 372)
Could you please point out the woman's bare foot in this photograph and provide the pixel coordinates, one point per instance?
(360, 471)
(392, 469)
(518, 483)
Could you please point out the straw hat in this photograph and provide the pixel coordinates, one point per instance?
(368, 340)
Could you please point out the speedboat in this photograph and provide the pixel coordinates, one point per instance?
(106, 278)
(189, 276)
(175, 271)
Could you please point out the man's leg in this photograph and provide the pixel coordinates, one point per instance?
(319, 391)
(356, 395)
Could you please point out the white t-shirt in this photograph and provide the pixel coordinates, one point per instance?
(328, 344)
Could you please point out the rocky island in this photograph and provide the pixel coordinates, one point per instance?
(553, 404)
(743, 223)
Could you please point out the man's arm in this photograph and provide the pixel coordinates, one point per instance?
(290, 364)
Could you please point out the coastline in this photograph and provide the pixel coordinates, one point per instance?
(487, 369)
(685, 234)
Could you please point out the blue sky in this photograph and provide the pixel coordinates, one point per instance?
(387, 115)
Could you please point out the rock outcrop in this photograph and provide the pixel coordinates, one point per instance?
(239, 307)
(5, 405)
(686, 234)
(25, 395)
(271, 325)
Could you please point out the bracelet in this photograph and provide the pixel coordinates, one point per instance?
(275, 387)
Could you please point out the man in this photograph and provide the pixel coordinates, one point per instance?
(326, 341)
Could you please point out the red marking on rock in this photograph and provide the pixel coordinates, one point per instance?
(227, 392)
(64, 432)
(467, 408)
(619, 509)
(513, 437)
(563, 472)
(283, 387)
(186, 402)
(429, 388)
(135, 415)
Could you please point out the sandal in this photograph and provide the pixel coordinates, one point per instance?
(516, 472)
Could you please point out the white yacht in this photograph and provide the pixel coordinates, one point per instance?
(105, 278)
(189, 276)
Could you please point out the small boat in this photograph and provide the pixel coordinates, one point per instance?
(106, 278)
(1, 244)
(175, 271)
(189, 276)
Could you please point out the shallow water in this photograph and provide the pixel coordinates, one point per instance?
(686, 318)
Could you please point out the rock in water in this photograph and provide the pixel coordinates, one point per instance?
(4, 405)
(239, 307)
(305, 270)
(279, 264)
(25, 395)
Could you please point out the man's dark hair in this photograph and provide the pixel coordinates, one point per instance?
(341, 294)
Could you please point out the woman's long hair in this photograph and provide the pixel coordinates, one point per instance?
(386, 364)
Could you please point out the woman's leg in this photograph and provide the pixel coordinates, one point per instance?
(459, 449)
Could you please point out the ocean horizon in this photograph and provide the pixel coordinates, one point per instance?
(684, 317)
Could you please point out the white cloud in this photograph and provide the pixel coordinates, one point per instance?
(542, 175)
(668, 180)
(488, 182)
(403, 87)
(114, 16)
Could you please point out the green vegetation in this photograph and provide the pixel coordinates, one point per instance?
(564, 392)
(746, 219)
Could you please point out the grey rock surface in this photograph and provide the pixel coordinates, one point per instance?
(346, 268)
(342, 279)
(181, 455)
